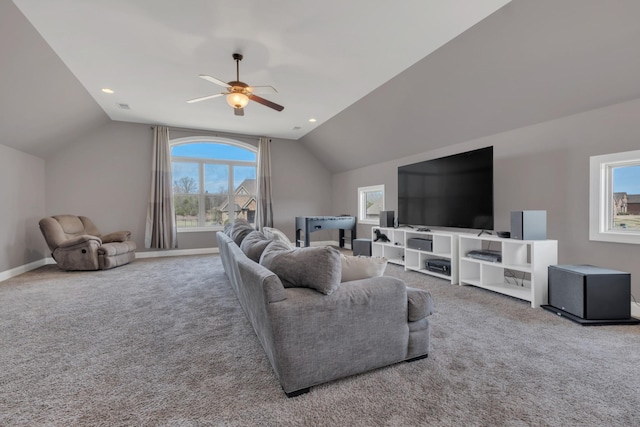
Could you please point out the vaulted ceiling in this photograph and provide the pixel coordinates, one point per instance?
(382, 79)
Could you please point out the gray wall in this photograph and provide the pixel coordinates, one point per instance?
(545, 166)
(106, 176)
(21, 207)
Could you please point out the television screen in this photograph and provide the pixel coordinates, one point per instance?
(452, 191)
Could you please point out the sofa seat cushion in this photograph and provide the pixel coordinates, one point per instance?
(357, 267)
(254, 244)
(315, 267)
(420, 304)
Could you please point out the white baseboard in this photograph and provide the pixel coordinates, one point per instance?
(8, 274)
(176, 252)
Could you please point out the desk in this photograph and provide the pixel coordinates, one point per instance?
(309, 224)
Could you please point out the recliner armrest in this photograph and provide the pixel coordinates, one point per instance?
(116, 236)
(78, 240)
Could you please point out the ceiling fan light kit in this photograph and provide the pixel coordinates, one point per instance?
(239, 93)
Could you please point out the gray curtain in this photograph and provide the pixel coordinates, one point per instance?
(161, 220)
(264, 211)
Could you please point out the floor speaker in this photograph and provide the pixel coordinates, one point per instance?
(386, 218)
(529, 225)
(590, 292)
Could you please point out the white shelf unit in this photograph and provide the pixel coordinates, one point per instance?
(523, 272)
(444, 246)
(392, 250)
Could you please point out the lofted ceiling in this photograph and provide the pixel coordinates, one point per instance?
(384, 80)
(321, 56)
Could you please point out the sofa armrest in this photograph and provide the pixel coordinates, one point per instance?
(116, 236)
(78, 241)
(420, 304)
(361, 326)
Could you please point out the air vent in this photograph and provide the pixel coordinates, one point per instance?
(297, 128)
(124, 106)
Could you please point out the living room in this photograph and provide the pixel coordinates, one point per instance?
(547, 85)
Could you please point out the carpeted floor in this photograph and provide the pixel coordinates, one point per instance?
(163, 342)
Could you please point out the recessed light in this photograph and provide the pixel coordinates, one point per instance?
(107, 90)
(312, 120)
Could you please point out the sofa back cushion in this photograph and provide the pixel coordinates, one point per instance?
(275, 234)
(315, 267)
(240, 229)
(254, 244)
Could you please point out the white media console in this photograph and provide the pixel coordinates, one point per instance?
(522, 272)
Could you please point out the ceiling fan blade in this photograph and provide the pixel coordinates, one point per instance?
(266, 103)
(238, 111)
(214, 80)
(203, 98)
(262, 89)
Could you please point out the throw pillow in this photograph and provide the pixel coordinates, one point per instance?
(254, 244)
(314, 267)
(275, 234)
(356, 267)
(240, 229)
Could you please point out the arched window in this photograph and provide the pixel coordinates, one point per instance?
(214, 181)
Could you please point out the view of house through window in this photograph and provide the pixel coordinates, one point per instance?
(214, 182)
(626, 197)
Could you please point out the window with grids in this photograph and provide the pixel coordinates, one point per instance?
(615, 197)
(214, 182)
(370, 203)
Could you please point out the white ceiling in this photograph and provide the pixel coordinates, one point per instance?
(321, 56)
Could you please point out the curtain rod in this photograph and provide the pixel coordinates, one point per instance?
(211, 132)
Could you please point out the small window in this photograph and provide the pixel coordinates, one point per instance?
(614, 214)
(370, 203)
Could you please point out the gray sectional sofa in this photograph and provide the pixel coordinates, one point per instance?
(315, 335)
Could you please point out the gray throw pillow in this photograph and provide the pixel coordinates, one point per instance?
(254, 244)
(240, 229)
(315, 267)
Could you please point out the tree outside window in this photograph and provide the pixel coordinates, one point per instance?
(214, 182)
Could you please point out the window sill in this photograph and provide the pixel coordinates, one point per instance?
(369, 221)
(199, 229)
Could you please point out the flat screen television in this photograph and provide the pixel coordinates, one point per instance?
(452, 191)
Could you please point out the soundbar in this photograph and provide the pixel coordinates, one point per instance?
(486, 255)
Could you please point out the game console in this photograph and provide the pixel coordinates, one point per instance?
(486, 255)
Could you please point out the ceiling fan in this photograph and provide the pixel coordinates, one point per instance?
(239, 93)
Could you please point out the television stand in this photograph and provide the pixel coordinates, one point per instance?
(444, 247)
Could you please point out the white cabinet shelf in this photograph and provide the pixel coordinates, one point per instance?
(444, 246)
(522, 273)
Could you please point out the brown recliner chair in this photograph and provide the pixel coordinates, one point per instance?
(76, 244)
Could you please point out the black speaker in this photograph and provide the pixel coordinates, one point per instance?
(386, 218)
(590, 292)
(529, 225)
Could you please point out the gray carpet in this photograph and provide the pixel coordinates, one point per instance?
(163, 342)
